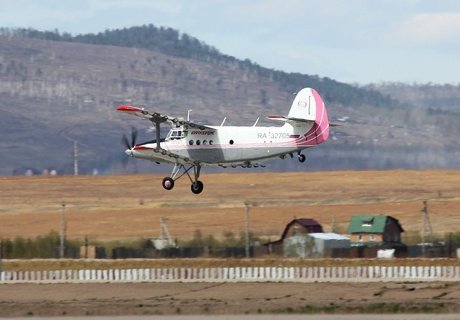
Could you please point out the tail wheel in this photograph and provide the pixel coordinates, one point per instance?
(197, 187)
(168, 183)
(301, 158)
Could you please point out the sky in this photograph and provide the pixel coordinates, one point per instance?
(353, 41)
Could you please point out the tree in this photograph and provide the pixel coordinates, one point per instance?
(19, 248)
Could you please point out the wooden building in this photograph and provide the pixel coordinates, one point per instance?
(368, 230)
(294, 228)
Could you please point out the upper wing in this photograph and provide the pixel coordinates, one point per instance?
(158, 117)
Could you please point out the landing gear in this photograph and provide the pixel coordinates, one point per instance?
(168, 183)
(301, 157)
(196, 187)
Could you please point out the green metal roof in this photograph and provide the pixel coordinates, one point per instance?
(367, 224)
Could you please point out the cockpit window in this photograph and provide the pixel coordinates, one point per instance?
(176, 134)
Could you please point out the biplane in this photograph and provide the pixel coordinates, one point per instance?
(190, 146)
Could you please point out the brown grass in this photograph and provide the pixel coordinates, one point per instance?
(130, 206)
(74, 264)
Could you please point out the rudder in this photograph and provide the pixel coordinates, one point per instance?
(304, 105)
(308, 105)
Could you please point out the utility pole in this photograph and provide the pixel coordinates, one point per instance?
(1, 255)
(75, 158)
(63, 231)
(246, 227)
(86, 247)
(426, 228)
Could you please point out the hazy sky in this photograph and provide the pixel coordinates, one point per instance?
(355, 41)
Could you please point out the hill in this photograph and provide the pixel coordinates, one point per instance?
(435, 97)
(170, 42)
(54, 92)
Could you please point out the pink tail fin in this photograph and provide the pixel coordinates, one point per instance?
(310, 98)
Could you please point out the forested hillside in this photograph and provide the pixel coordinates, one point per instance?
(57, 89)
(445, 97)
(173, 43)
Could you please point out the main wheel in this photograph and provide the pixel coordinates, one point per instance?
(197, 187)
(301, 158)
(168, 183)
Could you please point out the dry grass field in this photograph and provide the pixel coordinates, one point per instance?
(130, 206)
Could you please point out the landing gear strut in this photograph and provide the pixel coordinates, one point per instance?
(196, 187)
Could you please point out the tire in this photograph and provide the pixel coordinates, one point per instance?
(197, 187)
(168, 183)
(301, 158)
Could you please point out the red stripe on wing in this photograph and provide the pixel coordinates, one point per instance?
(137, 148)
(128, 108)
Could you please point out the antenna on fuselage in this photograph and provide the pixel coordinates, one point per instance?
(222, 124)
(257, 121)
(188, 114)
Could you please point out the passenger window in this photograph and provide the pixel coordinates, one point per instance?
(198, 142)
(210, 142)
(231, 141)
(190, 142)
(205, 141)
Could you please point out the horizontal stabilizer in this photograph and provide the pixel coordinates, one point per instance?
(287, 118)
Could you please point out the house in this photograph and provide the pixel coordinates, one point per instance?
(369, 230)
(294, 228)
(301, 226)
(314, 245)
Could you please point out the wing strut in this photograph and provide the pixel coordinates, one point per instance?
(157, 127)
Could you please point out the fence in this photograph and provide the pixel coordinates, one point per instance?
(240, 274)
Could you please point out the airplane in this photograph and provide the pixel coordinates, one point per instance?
(191, 146)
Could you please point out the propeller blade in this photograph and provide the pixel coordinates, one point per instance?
(133, 136)
(129, 144)
(125, 141)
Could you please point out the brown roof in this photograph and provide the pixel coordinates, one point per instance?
(311, 225)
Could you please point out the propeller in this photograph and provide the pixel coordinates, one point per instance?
(129, 144)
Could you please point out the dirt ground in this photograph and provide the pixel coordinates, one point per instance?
(227, 298)
(130, 206)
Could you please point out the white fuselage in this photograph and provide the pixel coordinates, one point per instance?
(229, 145)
